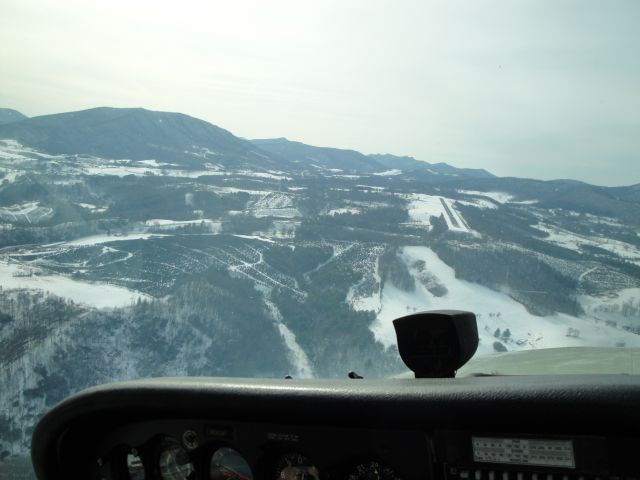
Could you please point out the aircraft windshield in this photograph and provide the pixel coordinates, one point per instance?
(155, 221)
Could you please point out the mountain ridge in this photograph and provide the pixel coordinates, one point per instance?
(135, 133)
(9, 115)
(142, 134)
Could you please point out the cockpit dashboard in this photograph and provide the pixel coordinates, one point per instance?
(482, 428)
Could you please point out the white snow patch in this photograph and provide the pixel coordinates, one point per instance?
(99, 239)
(101, 295)
(296, 355)
(227, 190)
(370, 187)
(350, 177)
(16, 152)
(92, 208)
(155, 163)
(342, 211)
(389, 173)
(500, 197)
(478, 203)
(255, 237)
(9, 175)
(202, 152)
(273, 176)
(423, 207)
(119, 171)
(124, 170)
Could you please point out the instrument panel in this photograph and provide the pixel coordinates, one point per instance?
(495, 428)
(219, 450)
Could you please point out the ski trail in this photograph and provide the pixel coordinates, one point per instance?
(296, 355)
(338, 250)
(584, 274)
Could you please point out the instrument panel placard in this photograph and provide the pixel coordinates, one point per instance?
(524, 451)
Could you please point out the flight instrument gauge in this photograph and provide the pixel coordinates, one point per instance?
(294, 466)
(228, 464)
(372, 471)
(174, 463)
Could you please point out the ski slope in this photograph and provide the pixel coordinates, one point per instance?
(494, 310)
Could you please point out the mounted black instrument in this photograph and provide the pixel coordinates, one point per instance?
(437, 343)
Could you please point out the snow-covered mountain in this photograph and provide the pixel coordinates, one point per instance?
(138, 134)
(137, 243)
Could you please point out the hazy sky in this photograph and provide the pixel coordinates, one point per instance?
(543, 89)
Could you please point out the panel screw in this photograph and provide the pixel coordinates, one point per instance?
(190, 439)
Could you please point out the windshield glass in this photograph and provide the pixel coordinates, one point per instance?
(259, 188)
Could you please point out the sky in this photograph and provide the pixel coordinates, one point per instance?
(540, 89)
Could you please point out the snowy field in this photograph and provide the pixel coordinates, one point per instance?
(422, 207)
(29, 212)
(618, 306)
(270, 174)
(14, 153)
(274, 204)
(481, 203)
(499, 197)
(98, 239)
(254, 237)
(101, 295)
(8, 175)
(494, 311)
(574, 241)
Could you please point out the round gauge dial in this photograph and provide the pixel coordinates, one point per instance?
(228, 464)
(372, 471)
(135, 467)
(174, 463)
(293, 466)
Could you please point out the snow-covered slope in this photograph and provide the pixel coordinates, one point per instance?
(494, 310)
(101, 295)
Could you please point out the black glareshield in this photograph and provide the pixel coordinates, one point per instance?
(437, 343)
